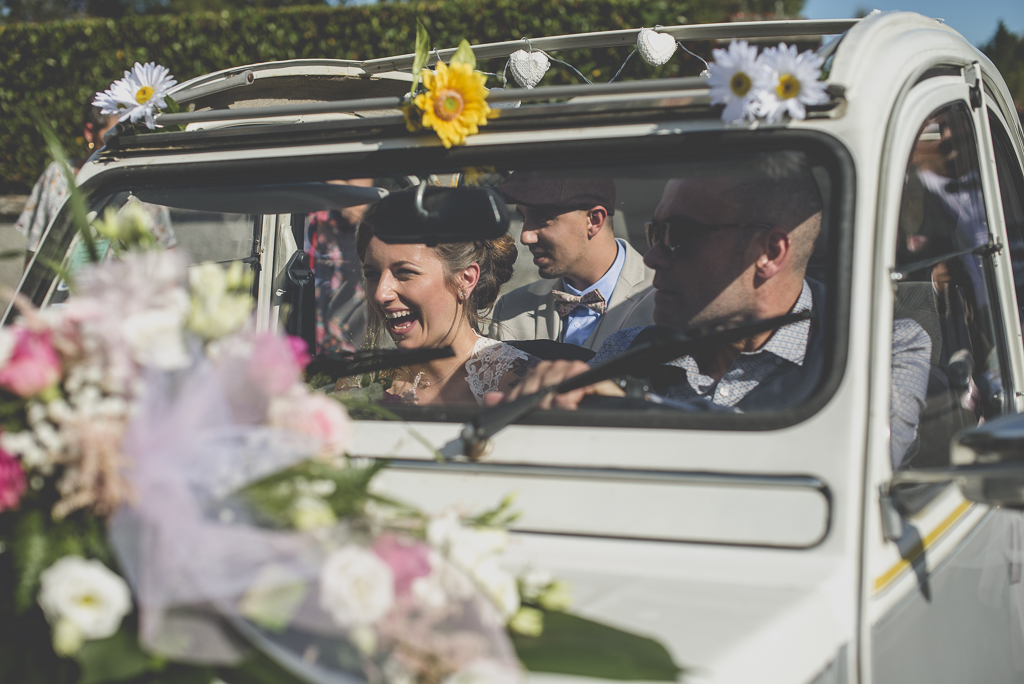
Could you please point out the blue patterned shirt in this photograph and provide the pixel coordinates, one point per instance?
(581, 321)
(785, 351)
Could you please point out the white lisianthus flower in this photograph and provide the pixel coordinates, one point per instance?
(155, 338)
(138, 95)
(356, 587)
(499, 585)
(67, 638)
(7, 341)
(534, 581)
(485, 672)
(309, 513)
(84, 595)
(442, 529)
(788, 82)
(470, 546)
(732, 77)
(217, 311)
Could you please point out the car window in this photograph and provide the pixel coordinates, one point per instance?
(948, 364)
(709, 217)
(690, 221)
(1011, 191)
(205, 236)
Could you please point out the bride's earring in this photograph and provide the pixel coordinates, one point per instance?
(91, 144)
(462, 295)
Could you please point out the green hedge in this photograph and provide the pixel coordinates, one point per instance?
(53, 68)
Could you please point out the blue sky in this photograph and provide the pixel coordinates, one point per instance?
(976, 20)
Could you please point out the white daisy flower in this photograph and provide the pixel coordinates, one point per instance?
(138, 95)
(731, 77)
(788, 82)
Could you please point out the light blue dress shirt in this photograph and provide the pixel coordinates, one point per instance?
(581, 321)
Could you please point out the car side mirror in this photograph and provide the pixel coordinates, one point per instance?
(986, 462)
(432, 215)
(990, 459)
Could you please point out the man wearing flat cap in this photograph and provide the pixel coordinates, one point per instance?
(594, 284)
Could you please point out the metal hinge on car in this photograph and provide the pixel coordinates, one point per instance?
(972, 74)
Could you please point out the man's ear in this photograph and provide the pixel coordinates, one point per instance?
(596, 218)
(775, 250)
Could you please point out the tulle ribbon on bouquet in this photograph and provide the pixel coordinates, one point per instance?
(201, 566)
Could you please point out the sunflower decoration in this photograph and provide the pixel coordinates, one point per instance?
(454, 104)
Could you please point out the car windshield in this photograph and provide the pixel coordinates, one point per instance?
(583, 262)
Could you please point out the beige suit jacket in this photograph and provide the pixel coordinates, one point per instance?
(528, 313)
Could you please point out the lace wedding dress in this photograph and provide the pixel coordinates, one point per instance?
(488, 363)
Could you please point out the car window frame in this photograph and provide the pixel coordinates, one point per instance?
(823, 147)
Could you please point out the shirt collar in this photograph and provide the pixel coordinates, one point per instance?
(607, 282)
(790, 341)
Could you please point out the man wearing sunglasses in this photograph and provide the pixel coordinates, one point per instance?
(729, 249)
(594, 284)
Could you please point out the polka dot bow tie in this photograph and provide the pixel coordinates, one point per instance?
(565, 302)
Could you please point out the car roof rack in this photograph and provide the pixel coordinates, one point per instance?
(694, 90)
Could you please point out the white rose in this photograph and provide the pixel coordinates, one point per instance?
(485, 672)
(85, 594)
(356, 587)
(155, 339)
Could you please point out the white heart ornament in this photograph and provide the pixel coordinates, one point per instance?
(528, 67)
(656, 48)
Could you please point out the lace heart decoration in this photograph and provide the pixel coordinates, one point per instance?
(656, 48)
(528, 67)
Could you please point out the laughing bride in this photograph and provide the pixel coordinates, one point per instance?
(429, 297)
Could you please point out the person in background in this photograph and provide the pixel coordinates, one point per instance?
(330, 242)
(51, 190)
(594, 283)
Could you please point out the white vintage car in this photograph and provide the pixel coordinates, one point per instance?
(824, 536)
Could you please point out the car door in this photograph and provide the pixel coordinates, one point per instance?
(939, 595)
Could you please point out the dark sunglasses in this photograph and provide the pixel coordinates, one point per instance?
(674, 235)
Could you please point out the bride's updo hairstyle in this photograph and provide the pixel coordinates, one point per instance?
(495, 258)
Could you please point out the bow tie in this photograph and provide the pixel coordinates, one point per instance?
(565, 302)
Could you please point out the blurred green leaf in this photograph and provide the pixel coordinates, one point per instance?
(576, 646)
(76, 199)
(422, 54)
(464, 55)
(114, 659)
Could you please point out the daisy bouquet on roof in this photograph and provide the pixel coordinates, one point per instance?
(778, 82)
(139, 96)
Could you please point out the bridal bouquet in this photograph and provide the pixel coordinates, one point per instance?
(177, 505)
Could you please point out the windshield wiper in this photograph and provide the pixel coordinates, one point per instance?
(347, 364)
(665, 345)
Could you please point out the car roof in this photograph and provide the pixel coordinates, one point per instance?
(869, 63)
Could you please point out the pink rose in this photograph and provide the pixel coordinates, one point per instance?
(312, 414)
(12, 482)
(408, 560)
(276, 362)
(33, 365)
(300, 349)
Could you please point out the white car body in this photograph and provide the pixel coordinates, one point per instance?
(756, 555)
